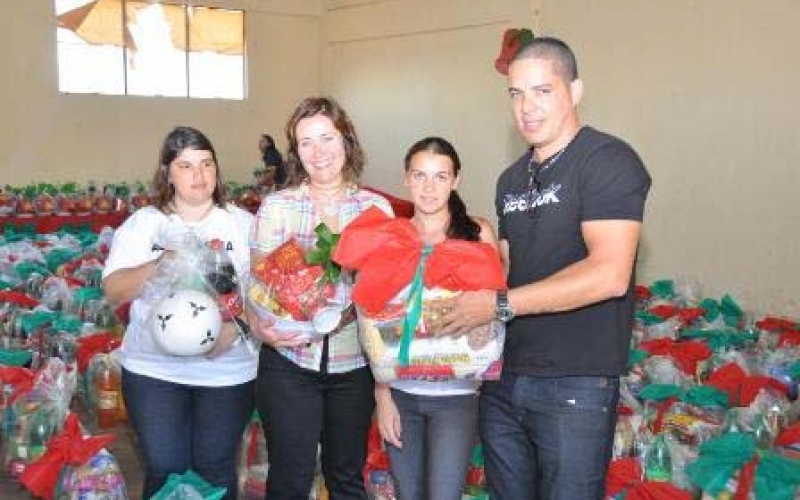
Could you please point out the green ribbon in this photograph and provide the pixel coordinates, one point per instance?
(14, 357)
(36, 319)
(706, 396)
(720, 458)
(636, 356)
(711, 308)
(413, 308)
(57, 257)
(67, 323)
(732, 314)
(664, 289)
(648, 318)
(660, 392)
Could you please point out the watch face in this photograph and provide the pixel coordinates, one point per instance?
(505, 314)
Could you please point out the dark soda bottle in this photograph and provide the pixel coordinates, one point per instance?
(222, 278)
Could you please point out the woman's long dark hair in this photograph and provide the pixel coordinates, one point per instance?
(462, 226)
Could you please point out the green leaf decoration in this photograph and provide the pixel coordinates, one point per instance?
(69, 188)
(322, 253)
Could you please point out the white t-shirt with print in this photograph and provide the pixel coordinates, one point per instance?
(136, 242)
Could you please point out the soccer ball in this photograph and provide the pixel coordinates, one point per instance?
(186, 323)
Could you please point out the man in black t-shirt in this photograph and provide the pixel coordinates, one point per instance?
(570, 212)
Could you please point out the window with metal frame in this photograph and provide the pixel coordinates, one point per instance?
(150, 48)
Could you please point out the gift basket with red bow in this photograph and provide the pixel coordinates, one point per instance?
(403, 290)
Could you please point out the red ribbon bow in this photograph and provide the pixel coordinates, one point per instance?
(20, 378)
(386, 251)
(789, 436)
(18, 299)
(686, 354)
(514, 40)
(69, 447)
(741, 388)
(94, 344)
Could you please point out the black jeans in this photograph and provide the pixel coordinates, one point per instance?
(303, 410)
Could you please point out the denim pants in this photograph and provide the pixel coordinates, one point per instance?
(304, 411)
(547, 438)
(182, 427)
(438, 433)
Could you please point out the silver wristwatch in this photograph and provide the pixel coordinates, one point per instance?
(504, 312)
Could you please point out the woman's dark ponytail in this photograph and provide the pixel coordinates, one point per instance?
(462, 226)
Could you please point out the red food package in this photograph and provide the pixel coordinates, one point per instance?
(284, 260)
(300, 293)
(296, 286)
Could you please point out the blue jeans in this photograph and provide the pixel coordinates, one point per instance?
(304, 410)
(182, 427)
(547, 438)
(438, 433)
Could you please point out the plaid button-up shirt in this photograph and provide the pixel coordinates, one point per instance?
(290, 213)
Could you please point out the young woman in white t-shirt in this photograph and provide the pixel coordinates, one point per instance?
(188, 412)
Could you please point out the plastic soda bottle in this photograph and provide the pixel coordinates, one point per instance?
(41, 428)
(107, 389)
(222, 278)
(380, 485)
(658, 465)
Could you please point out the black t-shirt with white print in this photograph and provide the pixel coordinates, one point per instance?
(597, 177)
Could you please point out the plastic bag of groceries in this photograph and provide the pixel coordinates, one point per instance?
(302, 290)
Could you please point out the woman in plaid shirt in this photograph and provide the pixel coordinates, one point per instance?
(319, 394)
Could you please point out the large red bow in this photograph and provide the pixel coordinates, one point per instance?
(687, 354)
(68, 447)
(386, 251)
(741, 388)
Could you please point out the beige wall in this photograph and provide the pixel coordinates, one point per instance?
(53, 137)
(704, 89)
(409, 69)
(707, 92)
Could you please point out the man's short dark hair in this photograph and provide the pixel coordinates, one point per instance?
(553, 50)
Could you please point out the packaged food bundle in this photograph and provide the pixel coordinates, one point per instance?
(100, 477)
(75, 466)
(402, 293)
(430, 355)
(301, 291)
(253, 462)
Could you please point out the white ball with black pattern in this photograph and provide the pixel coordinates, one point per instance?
(186, 323)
